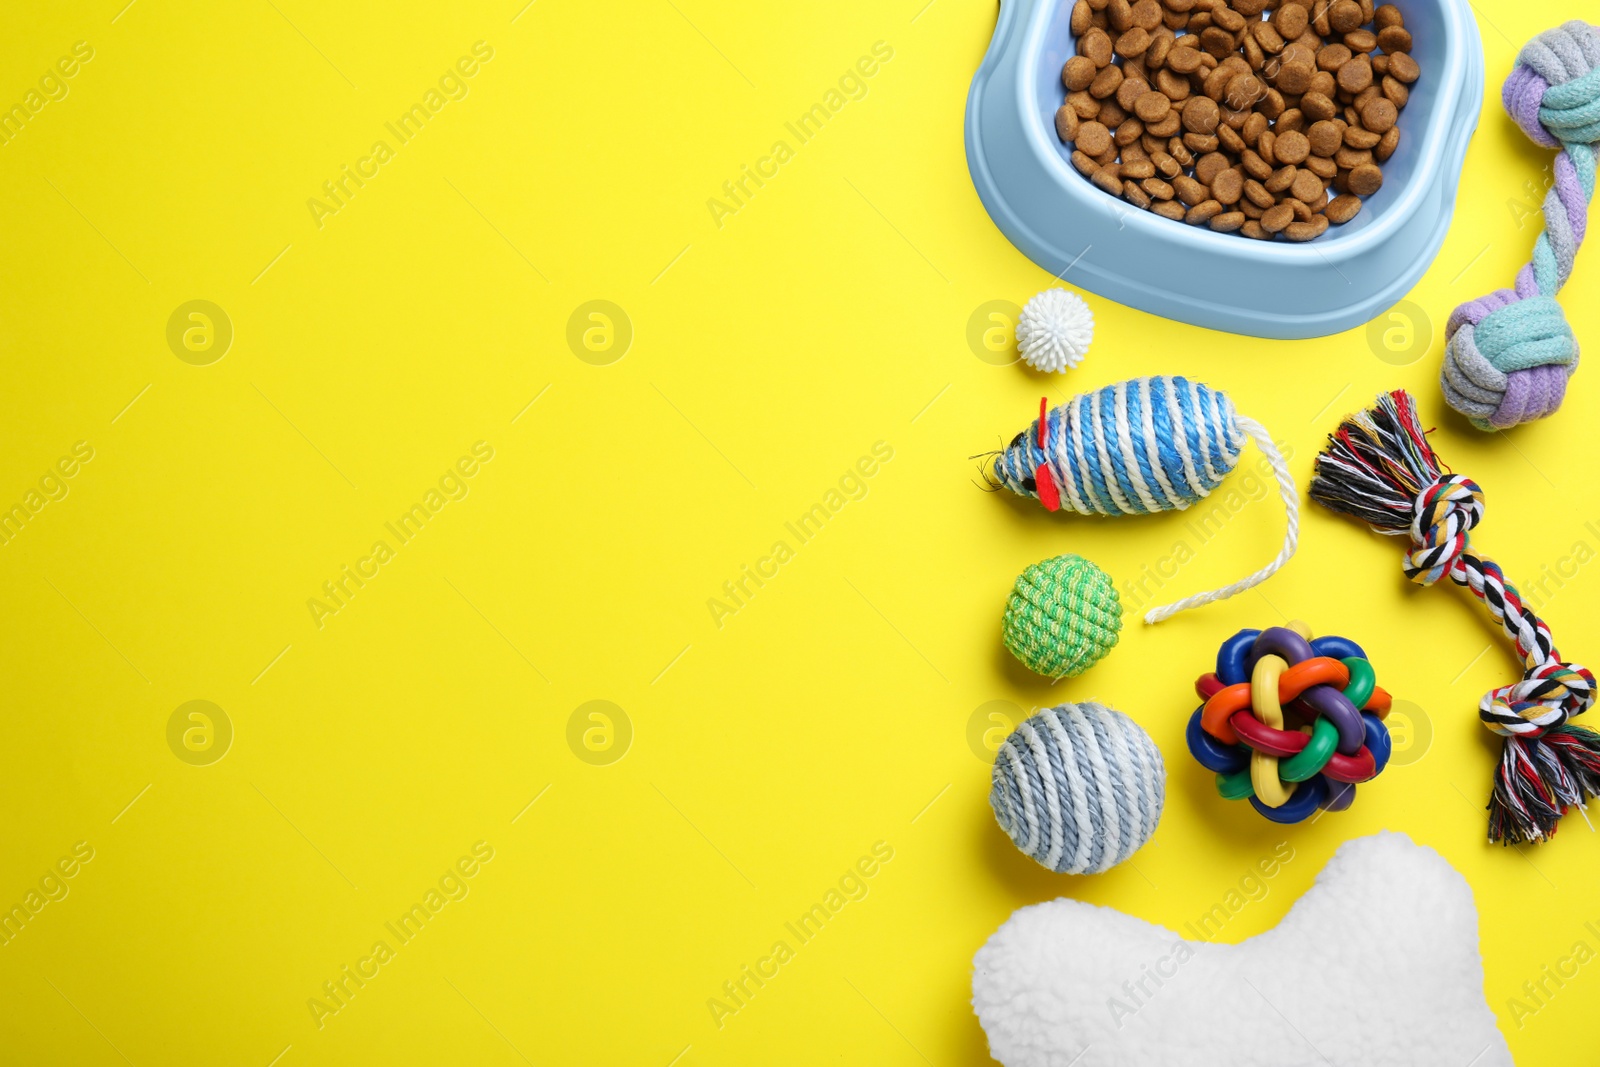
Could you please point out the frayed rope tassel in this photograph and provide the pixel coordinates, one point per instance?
(1379, 468)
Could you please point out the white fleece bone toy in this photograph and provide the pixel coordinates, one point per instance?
(1377, 964)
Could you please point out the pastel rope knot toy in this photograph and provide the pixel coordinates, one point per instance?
(1378, 467)
(1138, 447)
(1509, 354)
(1246, 731)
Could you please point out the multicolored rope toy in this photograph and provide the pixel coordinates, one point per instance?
(1510, 353)
(1379, 468)
(1138, 447)
(1290, 769)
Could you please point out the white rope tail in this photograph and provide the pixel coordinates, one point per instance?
(1291, 504)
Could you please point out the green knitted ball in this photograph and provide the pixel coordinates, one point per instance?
(1062, 617)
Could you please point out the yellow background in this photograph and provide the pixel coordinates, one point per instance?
(768, 354)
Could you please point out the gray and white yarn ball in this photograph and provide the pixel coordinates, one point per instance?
(1078, 787)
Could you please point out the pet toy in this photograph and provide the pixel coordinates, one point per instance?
(1377, 963)
(1062, 617)
(1510, 353)
(1138, 447)
(1240, 731)
(1078, 787)
(1379, 468)
(1054, 331)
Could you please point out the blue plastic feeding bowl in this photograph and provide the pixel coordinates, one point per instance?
(1076, 231)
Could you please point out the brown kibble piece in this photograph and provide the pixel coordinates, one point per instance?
(1190, 191)
(1274, 219)
(1303, 231)
(1280, 181)
(1203, 212)
(1294, 78)
(1291, 20)
(1355, 75)
(1350, 158)
(1169, 209)
(1268, 38)
(1066, 124)
(1255, 166)
(1119, 13)
(1107, 180)
(1228, 222)
(1157, 188)
(1360, 40)
(1292, 147)
(1133, 43)
(1341, 209)
(1227, 18)
(1344, 16)
(1244, 91)
(1200, 114)
(1128, 133)
(1386, 16)
(1395, 91)
(1153, 106)
(1106, 83)
(1085, 163)
(1404, 68)
(1326, 137)
(1082, 17)
(1147, 15)
(1140, 169)
(1078, 73)
(1096, 45)
(1209, 166)
(1359, 137)
(1387, 145)
(1093, 138)
(1131, 89)
(1174, 87)
(1257, 194)
(1306, 187)
(1227, 187)
(1332, 57)
(1136, 196)
(1379, 115)
(1366, 179)
(1217, 41)
(1183, 59)
(1317, 107)
(1166, 166)
(1253, 230)
(1394, 39)
(1085, 105)
(1322, 167)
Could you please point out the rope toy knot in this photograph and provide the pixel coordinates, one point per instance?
(1548, 695)
(1508, 355)
(1444, 515)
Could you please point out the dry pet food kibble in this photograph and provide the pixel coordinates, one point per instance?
(1257, 117)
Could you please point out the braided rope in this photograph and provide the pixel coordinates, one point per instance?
(1379, 467)
(1142, 446)
(1509, 354)
(1550, 691)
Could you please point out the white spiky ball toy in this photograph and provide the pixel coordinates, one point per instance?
(1054, 331)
